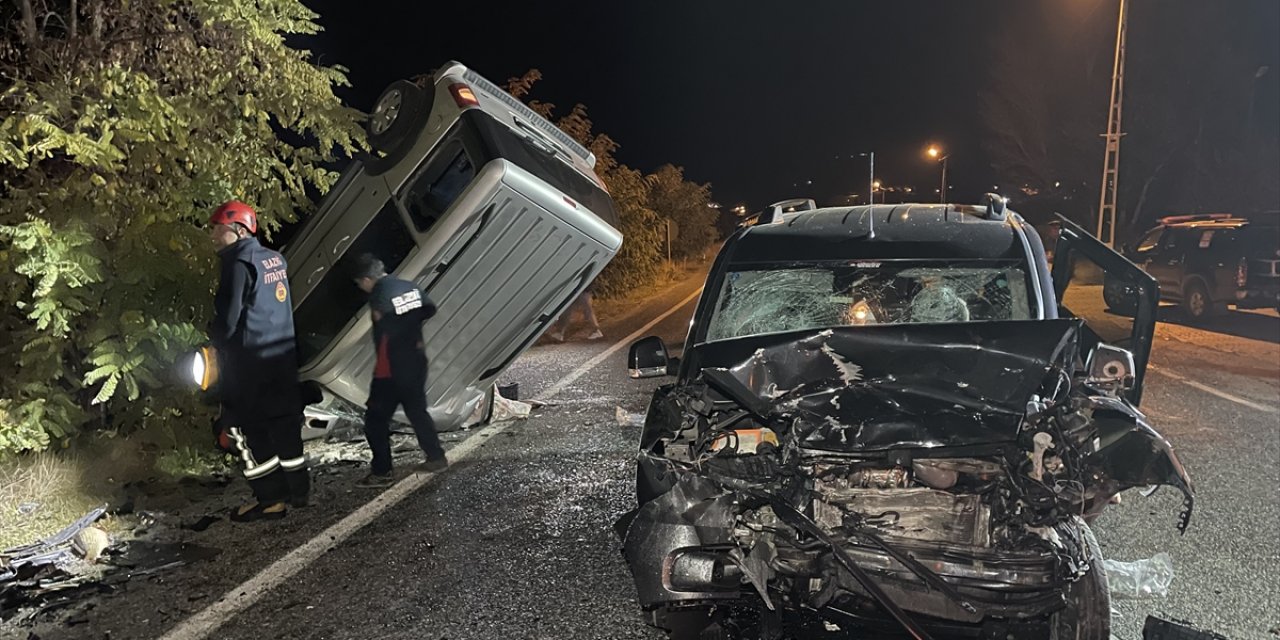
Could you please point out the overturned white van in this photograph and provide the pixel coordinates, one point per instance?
(492, 210)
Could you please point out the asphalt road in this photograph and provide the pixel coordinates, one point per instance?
(515, 541)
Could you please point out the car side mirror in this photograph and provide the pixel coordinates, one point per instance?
(1111, 369)
(648, 358)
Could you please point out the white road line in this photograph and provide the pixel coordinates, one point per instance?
(1211, 390)
(209, 619)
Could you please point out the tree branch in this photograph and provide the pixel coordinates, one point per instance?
(95, 17)
(28, 22)
(74, 29)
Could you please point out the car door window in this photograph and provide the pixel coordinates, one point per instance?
(437, 184)
(1151, 240)
(336, 300)
(1116, 300)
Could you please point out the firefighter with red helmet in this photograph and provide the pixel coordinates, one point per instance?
(252, 329)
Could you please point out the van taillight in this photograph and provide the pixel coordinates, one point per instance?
(463, 95)
(1242, 273)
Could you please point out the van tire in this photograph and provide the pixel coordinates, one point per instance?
(398, 114)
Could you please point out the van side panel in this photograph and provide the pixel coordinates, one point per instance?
(516, 254)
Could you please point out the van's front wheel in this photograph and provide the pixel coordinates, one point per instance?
(397, 114)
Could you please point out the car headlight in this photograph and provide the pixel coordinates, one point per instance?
(204, 368)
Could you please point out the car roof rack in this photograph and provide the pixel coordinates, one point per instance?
(996, 205)
(774, 211)
(1199, 217)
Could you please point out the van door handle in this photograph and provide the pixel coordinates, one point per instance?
(312, 278)
(340, 244)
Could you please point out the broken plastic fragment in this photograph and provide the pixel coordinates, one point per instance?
(506, 409)
(1147, 578)
(628, 419)
(90, 542)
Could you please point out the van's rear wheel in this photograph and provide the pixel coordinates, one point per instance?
(1088, 612)
(399, 112)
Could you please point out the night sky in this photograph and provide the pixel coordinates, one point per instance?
(763, 100)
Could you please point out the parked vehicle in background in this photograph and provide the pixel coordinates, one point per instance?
(881, 423)
(492, 210)
(1207, 262)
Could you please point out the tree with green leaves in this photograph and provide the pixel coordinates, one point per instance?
(639, 261)
(122, 123)
(687, 205)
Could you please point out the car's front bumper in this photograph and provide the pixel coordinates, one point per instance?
(681, 546)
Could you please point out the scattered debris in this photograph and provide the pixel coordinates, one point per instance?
(146, 519)
(509, 409)
(146, 558)
(1147, 578)
(629, 419)
(1157, 629)
(28, 508)
(89, 543)
(203, 523)
(57, 563)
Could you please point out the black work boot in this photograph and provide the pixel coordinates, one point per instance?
(299, 482)
(258, 511)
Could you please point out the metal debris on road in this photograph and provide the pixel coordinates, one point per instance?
(53, 564)
(1158, 629)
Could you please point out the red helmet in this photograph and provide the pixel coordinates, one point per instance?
(236, 212)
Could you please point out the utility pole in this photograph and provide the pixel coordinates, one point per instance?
(942, 192)
(1111, 159)
(871, 178)
(935, 152)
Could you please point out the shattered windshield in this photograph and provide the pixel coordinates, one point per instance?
(815, 296)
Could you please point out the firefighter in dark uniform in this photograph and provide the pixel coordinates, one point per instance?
(252, 329)
(400, 373)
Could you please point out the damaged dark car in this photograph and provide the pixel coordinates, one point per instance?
(885, 424)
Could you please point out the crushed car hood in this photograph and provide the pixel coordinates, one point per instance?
(873, 388)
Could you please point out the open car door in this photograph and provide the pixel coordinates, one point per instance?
(1116, 299)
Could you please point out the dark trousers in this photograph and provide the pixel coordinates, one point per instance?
(271, 451)
(384, 396)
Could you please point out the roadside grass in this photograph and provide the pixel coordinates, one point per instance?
(41, 493)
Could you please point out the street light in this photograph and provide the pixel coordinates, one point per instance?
(875, 186)
(935, 153)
